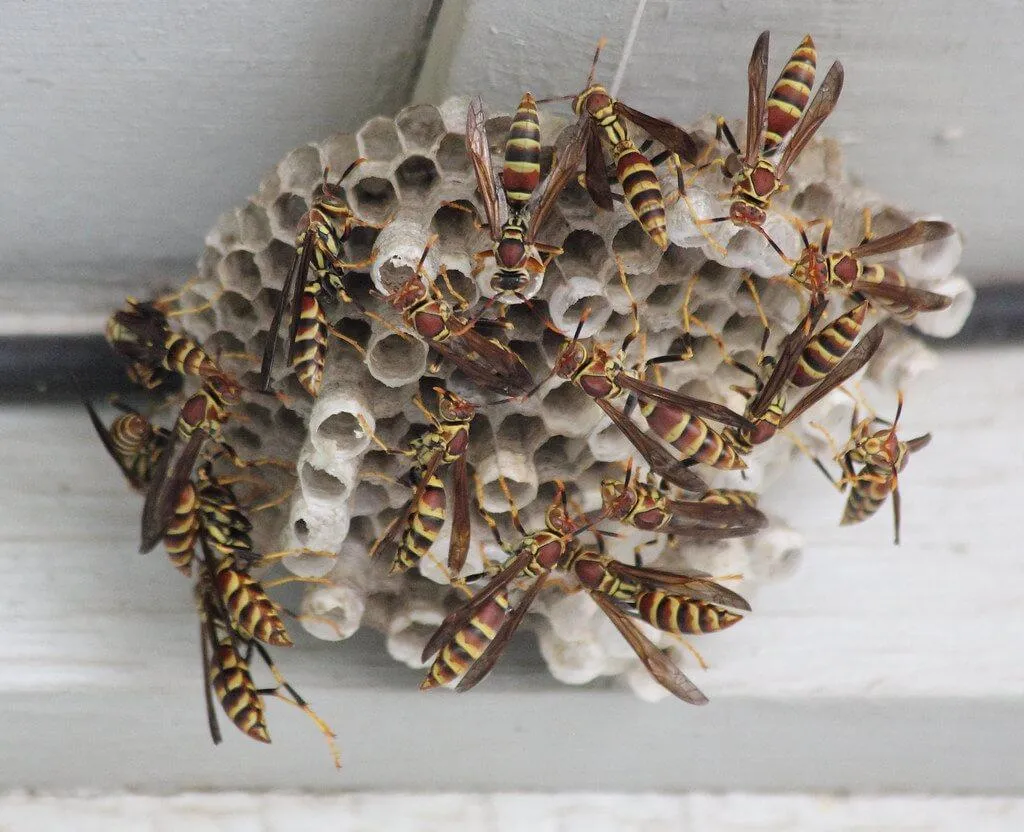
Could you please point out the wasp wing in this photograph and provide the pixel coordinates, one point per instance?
(856, 358)
(673, 138)
(458, 546)
(695, 407)
(821, 106)
(480, 155)
(544, 198)
(484, 664)
(596, 178)
(922, 231)
(757, 100)
(171, 474)
(660, 460)
(663, 669)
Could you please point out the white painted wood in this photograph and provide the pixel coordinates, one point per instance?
(924, 114)
(552, 813)
(128, 127)
(872, 668)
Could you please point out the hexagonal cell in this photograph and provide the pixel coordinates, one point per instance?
(497, 128)
(236, 313)
(416, 178)
(583, 253)
(359, 245)
(456, 226)
(523, 433)
(419, 126)
(254, 227)
(452, 156)
(635, 248)
(338, 152)
(239, 273)
(208, 261)
(378, 140)
(285, 213)
(816, 200)
(373, 198)
(301, 170)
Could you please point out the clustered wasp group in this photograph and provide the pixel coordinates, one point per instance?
(189, 474)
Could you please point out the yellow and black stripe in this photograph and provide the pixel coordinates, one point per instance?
(423, 525)
(730, 497)
(234, 688)
(469, 643)
(788, 97)
(183, 530)
(690, 435)
(869, 492)
(673, 614)
(309, 350)
(521, 172)
(253, 614)
(642, 190)
(828, 347)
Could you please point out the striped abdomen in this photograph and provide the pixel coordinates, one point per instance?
(673, 614)
(868, 494)
(253, 614)
(690, 435)
(234, 688)
(521, 173)
(642, 190)
(185, 356)
(309, 350)
(182, 531)
(468, 643)
(788, 97)
(730, 497)
(592, 571)
(878, 273)
(137, 445)
(828, 347)
(423, 525)
(765, 427)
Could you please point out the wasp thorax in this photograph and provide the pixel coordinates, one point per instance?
(510, 254)
(618, 498)
(572, 357)
(593, 100)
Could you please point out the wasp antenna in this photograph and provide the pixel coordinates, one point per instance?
(601, 42)
(431, 240)
(349, 169)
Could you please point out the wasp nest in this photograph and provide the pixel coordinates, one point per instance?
(346, 493)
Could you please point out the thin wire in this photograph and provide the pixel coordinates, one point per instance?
(627, 50)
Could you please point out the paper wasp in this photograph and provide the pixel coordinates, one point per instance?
(420, 522)
(513, 225)
(755, 179)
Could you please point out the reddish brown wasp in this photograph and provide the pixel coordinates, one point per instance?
(819, 271)
(141, 334)
(881, 455)
(755, 180)
(513, 226)
(687, 603)
(226, 658)
(319, 244)
(642, 505)
(133, 442)
(485, 361)
(674, 417)
(420, 522)
(200, 418)
(603, 118)
(472, 637)
(766, 405)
